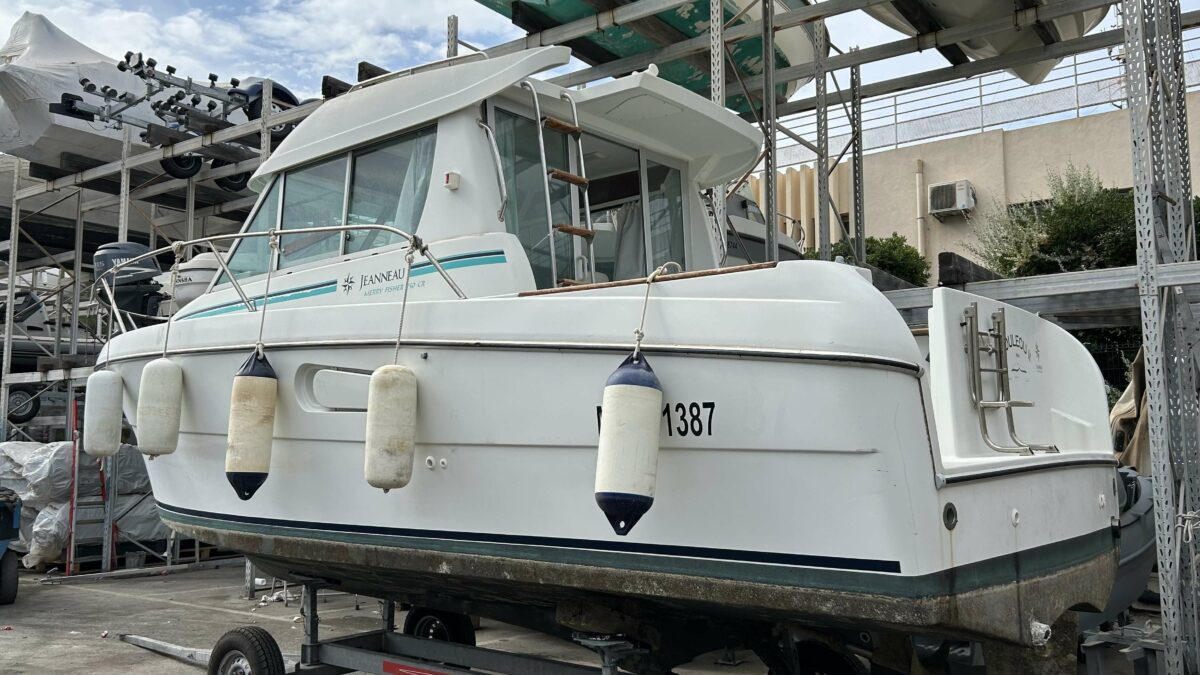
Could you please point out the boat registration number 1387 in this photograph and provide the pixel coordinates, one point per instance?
(693, 418)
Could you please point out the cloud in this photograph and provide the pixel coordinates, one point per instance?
(297, 41)
(292, 41)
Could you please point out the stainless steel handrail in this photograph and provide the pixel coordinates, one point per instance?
(176, 247)
(537, 114)
(499, 168)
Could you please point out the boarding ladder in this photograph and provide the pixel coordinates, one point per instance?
(578, 183)
(994, 341)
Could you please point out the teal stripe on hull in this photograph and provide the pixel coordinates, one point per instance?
(287, 296)
(450, 263)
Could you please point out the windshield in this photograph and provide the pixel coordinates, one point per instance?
(388, 185)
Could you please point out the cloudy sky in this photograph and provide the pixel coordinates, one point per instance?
(298, 41)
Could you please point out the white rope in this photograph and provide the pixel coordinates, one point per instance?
(640, 333)
(272, 262)
(1188, 524)
(408, 261)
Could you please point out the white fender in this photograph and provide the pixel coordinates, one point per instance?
(627, 461)
(391, 427)
(102, 414)
(160, 404)
(251, 426)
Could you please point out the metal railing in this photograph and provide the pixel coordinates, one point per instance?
(1084, 84)
(102, 286)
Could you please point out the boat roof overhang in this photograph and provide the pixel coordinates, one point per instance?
(640, 109)
(396, 104)
(716, 143)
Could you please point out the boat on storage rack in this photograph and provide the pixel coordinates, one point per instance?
(424, 249)
(688, 20)
(916, 17)
(42, 68)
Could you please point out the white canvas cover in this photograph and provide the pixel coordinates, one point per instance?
(39, 63)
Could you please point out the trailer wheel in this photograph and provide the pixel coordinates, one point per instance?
(23, 404)
(8, 577)
(248, 650)
(434, 625)
(184, 166)
(235, 183)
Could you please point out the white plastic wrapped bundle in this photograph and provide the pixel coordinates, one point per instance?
(48, 535)
(40, 473)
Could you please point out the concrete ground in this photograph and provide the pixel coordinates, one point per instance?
(73, 628)
(61, 628)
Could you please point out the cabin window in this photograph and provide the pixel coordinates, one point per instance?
(389, 187)
(312, 197)
(615, 195)
(252, 255)
(517, 139)
(664, 202)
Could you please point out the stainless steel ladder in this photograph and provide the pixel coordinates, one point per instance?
(994, 341)
(578, 183)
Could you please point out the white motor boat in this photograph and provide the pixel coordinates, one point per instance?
(813, 469)
(746, 243)
(922, 16)
(188, 282)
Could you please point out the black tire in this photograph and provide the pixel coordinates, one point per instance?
(184, 166)
(23, 404)
(436, 625)
(8, 577)
(248, 650)
(254, 111)
(235, 183)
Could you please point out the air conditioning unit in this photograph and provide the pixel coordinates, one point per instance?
(951, 200)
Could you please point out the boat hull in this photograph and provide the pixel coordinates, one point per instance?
(795, 482)
(1082, 571)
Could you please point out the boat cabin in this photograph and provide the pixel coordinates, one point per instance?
(489, 166)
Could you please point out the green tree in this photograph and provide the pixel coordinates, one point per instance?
(893, 255)
(1081, 226)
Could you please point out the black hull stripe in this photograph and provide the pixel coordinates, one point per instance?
(733, 555)
(1002, 570)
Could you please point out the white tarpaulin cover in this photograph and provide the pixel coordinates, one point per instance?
(38, 64)
(40, 474)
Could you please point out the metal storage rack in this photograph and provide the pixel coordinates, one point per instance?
(65, 369)
(1157, 292)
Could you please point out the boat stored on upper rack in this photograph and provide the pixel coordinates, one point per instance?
(776, 452)
(917, 17)
(688, 20)
(60, 100)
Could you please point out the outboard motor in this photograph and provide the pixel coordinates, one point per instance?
(133, 286)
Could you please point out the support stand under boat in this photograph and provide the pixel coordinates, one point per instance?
(385, 651)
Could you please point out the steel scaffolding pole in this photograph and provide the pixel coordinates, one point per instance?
(716, 91)
(451, 36)
(14, 245)
(76, 272)
(768, 123)
(1163, 198)
(817, 34)
(856, 160)
(123, 213)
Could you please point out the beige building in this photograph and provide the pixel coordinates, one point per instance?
(1004, 166)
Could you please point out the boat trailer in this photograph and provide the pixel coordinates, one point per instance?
(383, 651)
